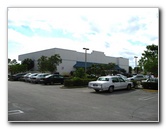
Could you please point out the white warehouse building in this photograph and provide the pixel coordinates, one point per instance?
(73, 59)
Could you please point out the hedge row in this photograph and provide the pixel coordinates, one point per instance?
(77, 82)
(150, 85)
(84, 82)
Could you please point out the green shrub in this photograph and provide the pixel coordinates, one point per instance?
(68, 82)
(77, 82)
(80, 73)
(150, 85)
(135, 83)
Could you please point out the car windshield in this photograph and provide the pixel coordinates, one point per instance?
(102, 79)
(43, 75)
(122, 76)
(48, 76)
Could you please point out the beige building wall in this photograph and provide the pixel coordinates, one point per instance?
(70, 57)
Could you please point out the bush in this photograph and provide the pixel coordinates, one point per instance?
(150, 85)
(135, 83)
(80, 73)
(77, 82)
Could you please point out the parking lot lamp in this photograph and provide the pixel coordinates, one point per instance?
(136, 63)
(85, 57)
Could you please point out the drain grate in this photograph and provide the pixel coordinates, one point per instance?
(13, 112)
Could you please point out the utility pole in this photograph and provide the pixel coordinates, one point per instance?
(136, 63)
(85, 57)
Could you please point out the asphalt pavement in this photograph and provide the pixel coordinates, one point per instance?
(39, 103)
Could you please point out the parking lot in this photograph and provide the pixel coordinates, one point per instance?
(36, 102)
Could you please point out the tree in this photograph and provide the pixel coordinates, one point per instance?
(130, 69)
(136, 70)
(93, 69)
(29, 63)
(14, 67)
(53, 62)
(9, 60)
(122, 70)
(42, 63)
(12, 62)
(80, 73)
(49, 63)
(17, 68)
(11, 66)
(149, 60)
(101, 69)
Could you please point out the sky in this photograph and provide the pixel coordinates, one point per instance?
(118, 32)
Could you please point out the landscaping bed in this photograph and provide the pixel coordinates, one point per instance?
(77, 82)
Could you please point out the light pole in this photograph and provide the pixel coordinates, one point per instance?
(85, 57)
(136, 63)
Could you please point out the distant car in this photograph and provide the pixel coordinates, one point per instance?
(25, 77)
(151, 80)
(138, 77)
(52, 78)
(124, 77)
(16, 77)
(110, 83)
(30, 76)
(149, 76)
(39, 77)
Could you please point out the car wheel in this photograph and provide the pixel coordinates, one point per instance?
(96, 90)
(129, 87)
(111, 89)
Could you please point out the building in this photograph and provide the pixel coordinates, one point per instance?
(73, 59)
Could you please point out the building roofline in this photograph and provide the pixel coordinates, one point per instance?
(93, 51)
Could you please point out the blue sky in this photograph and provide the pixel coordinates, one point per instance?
(118, 32)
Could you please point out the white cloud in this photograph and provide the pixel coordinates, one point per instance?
(115, 31)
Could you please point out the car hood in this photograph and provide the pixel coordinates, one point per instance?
(130, 78)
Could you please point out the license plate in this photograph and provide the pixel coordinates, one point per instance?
(95, 85)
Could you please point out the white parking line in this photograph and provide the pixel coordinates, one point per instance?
(12, 112)
(146, 98)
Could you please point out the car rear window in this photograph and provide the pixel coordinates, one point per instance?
(115, 79)
(140, 76)
(103, 79)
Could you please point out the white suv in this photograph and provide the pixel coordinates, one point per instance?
(110, 83)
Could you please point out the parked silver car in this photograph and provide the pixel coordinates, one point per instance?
(25, 77)
(110, 83)
(39, 77)
(137, 77)
(30, 77)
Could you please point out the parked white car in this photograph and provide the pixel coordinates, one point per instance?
(110, 83)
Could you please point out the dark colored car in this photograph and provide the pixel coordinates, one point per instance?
(152, 80)
(52, 78)
(16, 77)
